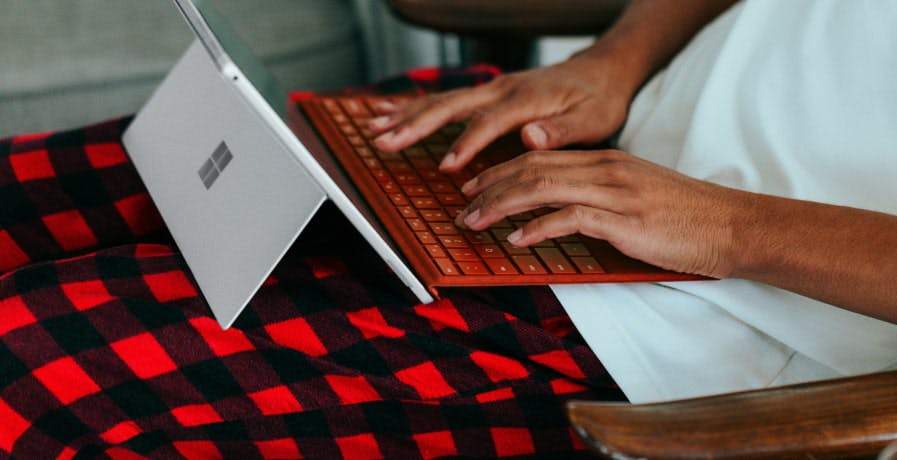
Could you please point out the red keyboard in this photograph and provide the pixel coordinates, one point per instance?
(417, 204)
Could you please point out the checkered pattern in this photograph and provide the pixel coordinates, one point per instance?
(106, 349)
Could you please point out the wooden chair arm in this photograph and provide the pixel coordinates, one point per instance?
(511, 18)
(852, 417)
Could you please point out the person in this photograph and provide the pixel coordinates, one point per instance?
(757, 147)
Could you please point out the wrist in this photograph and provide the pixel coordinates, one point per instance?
(754, 249)
(604, 62)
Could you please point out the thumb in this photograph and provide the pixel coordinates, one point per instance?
(568, 128)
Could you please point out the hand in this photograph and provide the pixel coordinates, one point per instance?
(577, 101)
(646, 211)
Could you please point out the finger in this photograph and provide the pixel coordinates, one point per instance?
(576, 126)
(420, 120)
(484, 128)
(493, 206)
(596, 223)
(386, 107)
(388, 114)
(539, 161)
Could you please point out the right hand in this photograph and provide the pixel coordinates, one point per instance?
(580, 101)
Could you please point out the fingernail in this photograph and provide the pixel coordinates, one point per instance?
(379, 122)
(448, 161)
(388, 136)
(385, 105)
(537, 135)
(515, 236)
(472, 217)
(468, 186)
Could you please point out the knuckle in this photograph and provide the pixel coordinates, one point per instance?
(503, 80)
(543, 183)
(439, 101)
(580, 215)
(532, 159)
(479, 117)
(491, 204)
(616, 172)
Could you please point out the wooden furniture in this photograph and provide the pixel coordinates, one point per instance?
(852, 417)
(503, 32)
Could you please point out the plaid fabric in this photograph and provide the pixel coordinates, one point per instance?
(107, 350)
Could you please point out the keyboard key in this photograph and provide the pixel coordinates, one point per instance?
(575, 249)
(501, 266)
(425, 203)
(431, 175)
(446, 267)
(501, 234)
(408, 178)
(355, 108)
(417, 225)
(435, 250)
(438, 150)
(453, 211)
(545, 244)
(434, 215)
(398, 199)
(514, 250)
(480, 238)
(417, 151)
(452, 199)
(423, 164)
(453, 242)
(489, 251)
(356, 140)
(442, 187)
(587, 265)
(381, 175)
(460, 178)
(529, 265)
(444, 228)
(463, 254)
(390, 187)
(555, 261)
(332, 107)
(340, 119)
(426, 237)
(473, 268)
(364, 152)
(416, 190)
(398, 167)
(408, 212)
(348, 129)
(389, 156)
(372, 163)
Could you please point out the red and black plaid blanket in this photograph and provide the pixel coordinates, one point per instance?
(107, 350)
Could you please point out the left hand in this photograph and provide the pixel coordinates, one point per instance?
(646, 211)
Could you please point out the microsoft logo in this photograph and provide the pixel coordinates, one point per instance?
(215, 165)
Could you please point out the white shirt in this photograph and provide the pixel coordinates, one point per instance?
(796, 99)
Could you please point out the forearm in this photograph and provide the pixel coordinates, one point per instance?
(647, 35)
(839, 255)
